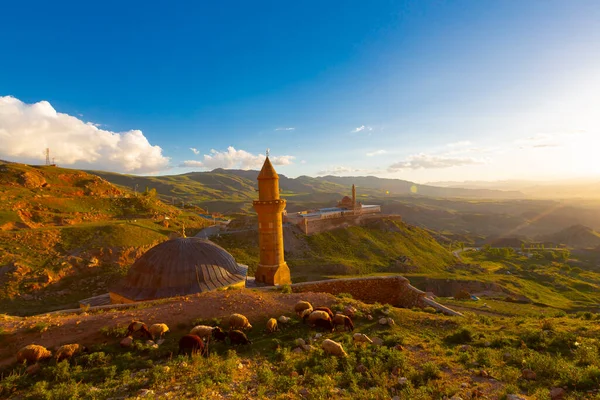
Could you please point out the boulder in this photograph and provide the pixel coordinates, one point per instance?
(127, 342)
(528, 374)
(557, 393)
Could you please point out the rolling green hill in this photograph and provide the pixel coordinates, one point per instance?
(381, 246)
(65, 234)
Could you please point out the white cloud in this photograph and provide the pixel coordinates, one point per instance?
(462, 143)
(235, 159)
(430, 161)
(303, 162)
(195, 150)
(343, 170)
(542, 140)
(27, 129)
(376, 153)
(284, 129)
(362, 128)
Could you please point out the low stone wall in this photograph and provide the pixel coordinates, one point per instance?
(393, 290)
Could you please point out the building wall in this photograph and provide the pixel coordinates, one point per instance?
(394, 290)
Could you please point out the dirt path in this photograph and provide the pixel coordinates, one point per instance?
(85, 329)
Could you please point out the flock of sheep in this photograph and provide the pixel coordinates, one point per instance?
(198, 339)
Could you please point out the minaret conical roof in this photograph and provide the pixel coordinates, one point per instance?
(267, 171)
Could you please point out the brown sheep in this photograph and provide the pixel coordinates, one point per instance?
(238, 337)
(33, 353)
(192, 344)
(327, 310)
(325, 324)
(341, 319)
(138, 326)
(67, 351)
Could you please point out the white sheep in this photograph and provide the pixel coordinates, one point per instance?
(301, 306)
(33, 353)
(202, 331)
(316, 315)
(158, 330)
(239, 321)
(333, 348)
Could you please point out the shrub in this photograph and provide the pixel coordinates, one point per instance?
(430, 310)
(461, 336)
(547, 324)
(113, 331)
(286, 289)
(344, 295)
(462, 295)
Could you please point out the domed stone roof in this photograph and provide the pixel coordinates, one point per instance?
(180, 267)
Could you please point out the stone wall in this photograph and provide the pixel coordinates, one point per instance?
(393, 290)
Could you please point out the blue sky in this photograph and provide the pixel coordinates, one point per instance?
(417, 90)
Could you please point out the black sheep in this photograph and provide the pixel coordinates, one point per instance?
(218, 334)
(326, 324)
(238, 337)
(191, 343)
(327, 310)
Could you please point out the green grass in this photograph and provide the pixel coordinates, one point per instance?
(432, 361)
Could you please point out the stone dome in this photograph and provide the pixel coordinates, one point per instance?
(179, 267)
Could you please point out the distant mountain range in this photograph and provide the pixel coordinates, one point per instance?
(578, 236)
(238, 185)
(560, 188)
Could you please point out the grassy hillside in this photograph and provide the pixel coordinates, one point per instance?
(423, 356)
(380, 246)
(577, 236)
(66, 235)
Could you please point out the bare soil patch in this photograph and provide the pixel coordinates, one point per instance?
(59, 329)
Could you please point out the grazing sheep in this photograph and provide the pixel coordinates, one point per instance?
(301, 306)
(316, 315)
(191, 344)
(272, 325)
(361, 338)
(333, 348)
(203, 331)
(327, 310)
(238, 337)
(326, 324)
(341, 319)
(283, 319)
(350, 311)
(218, 334)
(158, 330)
(238, 321)
(67, 351)
(304, 314)
(33, 353)
(138, 326)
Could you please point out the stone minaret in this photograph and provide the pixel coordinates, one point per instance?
(353, 196)
(272, 268)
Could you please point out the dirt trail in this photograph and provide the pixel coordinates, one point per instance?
(85, 328)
